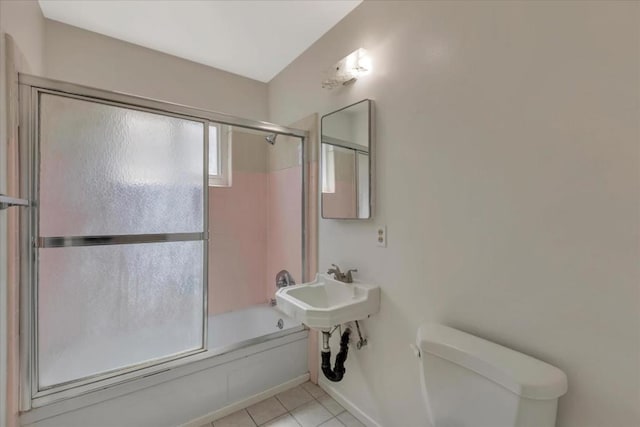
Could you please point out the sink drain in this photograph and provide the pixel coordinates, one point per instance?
(280, 324)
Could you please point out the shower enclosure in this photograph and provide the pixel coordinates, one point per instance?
(151, 237)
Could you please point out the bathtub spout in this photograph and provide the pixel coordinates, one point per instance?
(337, 373)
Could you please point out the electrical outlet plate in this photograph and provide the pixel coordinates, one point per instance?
(381, 236)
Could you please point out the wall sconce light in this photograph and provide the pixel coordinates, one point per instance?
(348, 69)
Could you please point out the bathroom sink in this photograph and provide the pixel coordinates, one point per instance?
(325, 302)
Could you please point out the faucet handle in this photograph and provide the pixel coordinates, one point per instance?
(334, 270)
(283, 279)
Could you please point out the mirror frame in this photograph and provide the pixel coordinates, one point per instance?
(371, 125)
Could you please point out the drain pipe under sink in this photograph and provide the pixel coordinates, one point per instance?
(338, 371)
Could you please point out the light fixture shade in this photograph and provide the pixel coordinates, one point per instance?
(348, 69)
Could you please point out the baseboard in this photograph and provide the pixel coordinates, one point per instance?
(230, 409)
(347, 404)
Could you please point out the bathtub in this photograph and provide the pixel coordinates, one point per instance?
(249, 357)
(236, 329)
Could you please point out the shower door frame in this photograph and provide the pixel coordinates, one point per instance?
(30, 88)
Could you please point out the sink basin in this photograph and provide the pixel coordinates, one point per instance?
(325, 302)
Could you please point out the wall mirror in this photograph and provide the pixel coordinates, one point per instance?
(347, 162)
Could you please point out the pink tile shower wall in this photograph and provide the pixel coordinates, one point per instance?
(237, 243)
(341, 203)
(284, 225)
(255, 225)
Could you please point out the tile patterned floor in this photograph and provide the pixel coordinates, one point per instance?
(304, 406)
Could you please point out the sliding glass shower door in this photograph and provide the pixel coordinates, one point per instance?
(119, 282)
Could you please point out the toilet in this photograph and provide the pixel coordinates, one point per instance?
(471, 382)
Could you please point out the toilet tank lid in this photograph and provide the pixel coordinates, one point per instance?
(522, 374)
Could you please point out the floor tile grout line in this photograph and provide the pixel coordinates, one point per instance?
(293, 409)
(280, 402)
(289, 412)
(274, 418)
(251, 416)
(270, 419)
(295, 420)
(322, 406)
(336, 415)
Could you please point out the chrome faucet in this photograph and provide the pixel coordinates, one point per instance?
(283, 279)
(340, 276)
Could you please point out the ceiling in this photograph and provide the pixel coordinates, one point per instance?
(252, 38)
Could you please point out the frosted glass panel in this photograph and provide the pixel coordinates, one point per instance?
(108, 307)
(110, 170)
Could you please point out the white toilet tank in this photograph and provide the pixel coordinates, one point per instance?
(471, 382)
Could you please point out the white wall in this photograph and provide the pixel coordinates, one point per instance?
(80, 56)
(507, 175)
(24, 21)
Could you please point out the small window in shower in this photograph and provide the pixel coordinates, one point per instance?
(219, 155)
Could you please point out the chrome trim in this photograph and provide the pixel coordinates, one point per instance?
(219, 351)
(113, 375)
(310, 154)
(117, 104)
(372, 157)
(120, 239)
(345, 144)
(205, 245)
(8, 202)
(303, 213)
(356, 179)
(26, 154)
(133, 100)
(35, 105)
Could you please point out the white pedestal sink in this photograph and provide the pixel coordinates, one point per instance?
(325, 302)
